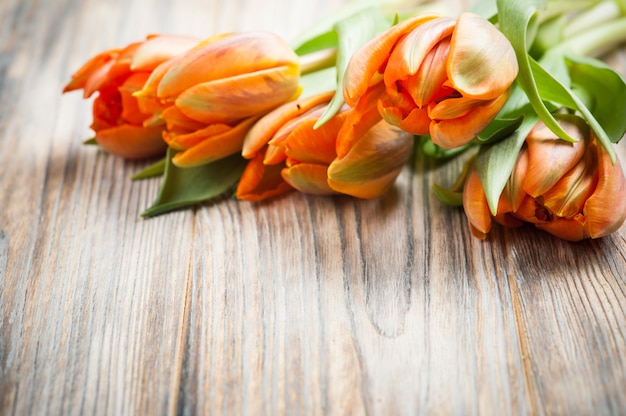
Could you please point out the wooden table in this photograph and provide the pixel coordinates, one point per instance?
(300, 305)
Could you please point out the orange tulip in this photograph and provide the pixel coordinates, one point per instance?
(573, 191)
(444, 77)
(353, 153)
(116, 74)
(210, 96)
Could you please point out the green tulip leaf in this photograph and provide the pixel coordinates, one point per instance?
(599, 81)
(156, 169)
(553, 90)
(495, 162)
(432, 150)
(447, 196)
(352, 33)
(517, 20)
(91, 141)
(500, 128)
(183, 187)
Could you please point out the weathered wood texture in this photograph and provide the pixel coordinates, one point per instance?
(301, 305)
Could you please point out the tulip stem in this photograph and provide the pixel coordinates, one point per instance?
(315, 61)
(598, 40)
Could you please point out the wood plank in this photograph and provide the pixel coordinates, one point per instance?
(316, 305)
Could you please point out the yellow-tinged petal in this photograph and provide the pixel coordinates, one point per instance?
(369, 59)
(176, 121)
(131, 112)
(239, 96)
(426, 85)
(132, 142)
(567, 197)
(409, 54)
(482, 62)
(185, 141)
(455, 107)
(550, 157)
(227, 56)
(459, 131)
(309, 178)
(263, 130)
(372, 164)
(158, 49)
(216, 147)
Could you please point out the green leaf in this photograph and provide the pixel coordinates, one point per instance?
(500, 128)
(495, 163)
(320, 34)
(551, 89)
(518, 23)
(432, 150)
(599, 81)
(91, 141)
(183, 187)
(156, 169)
(318, 82)
(447, 196)
(352, 33)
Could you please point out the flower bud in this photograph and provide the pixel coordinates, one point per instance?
(119, 122)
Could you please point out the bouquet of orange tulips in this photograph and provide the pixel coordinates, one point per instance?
(340, 110)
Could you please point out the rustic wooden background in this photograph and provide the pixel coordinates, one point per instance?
(301, 305)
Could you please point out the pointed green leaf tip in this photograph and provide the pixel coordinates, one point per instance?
(183, 187)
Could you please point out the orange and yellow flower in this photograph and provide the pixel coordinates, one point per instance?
(116, 74)
(571, 190)
(353, 153)
(444, 77)
(210, 96)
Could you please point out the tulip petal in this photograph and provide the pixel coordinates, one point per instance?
(452, 108)
(372, 164)
(371, 57)
(260, 181)
(263, 131)
(81, 77)
(132, 142)
(565, 229)
(131, 112)
(407, 57)
(550, 157)
(482, 63)
(605, 210)
(183, 141)
(177, 121)
(459, 131)
(240, 96)
(158, 49)
(309, 178)
(227, 56)
(567, 197)
(309, 145)
(216, 147)
(476, 207)
(427, 85)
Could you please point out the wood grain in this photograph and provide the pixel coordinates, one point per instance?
(300, 305)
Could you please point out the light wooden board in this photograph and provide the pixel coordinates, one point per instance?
(300, 305)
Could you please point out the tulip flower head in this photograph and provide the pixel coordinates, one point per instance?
(351, 154)
(116, 74)
(444, 77)
(211, 95)
(571, 190)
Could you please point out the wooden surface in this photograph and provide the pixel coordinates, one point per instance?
(301, 305)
